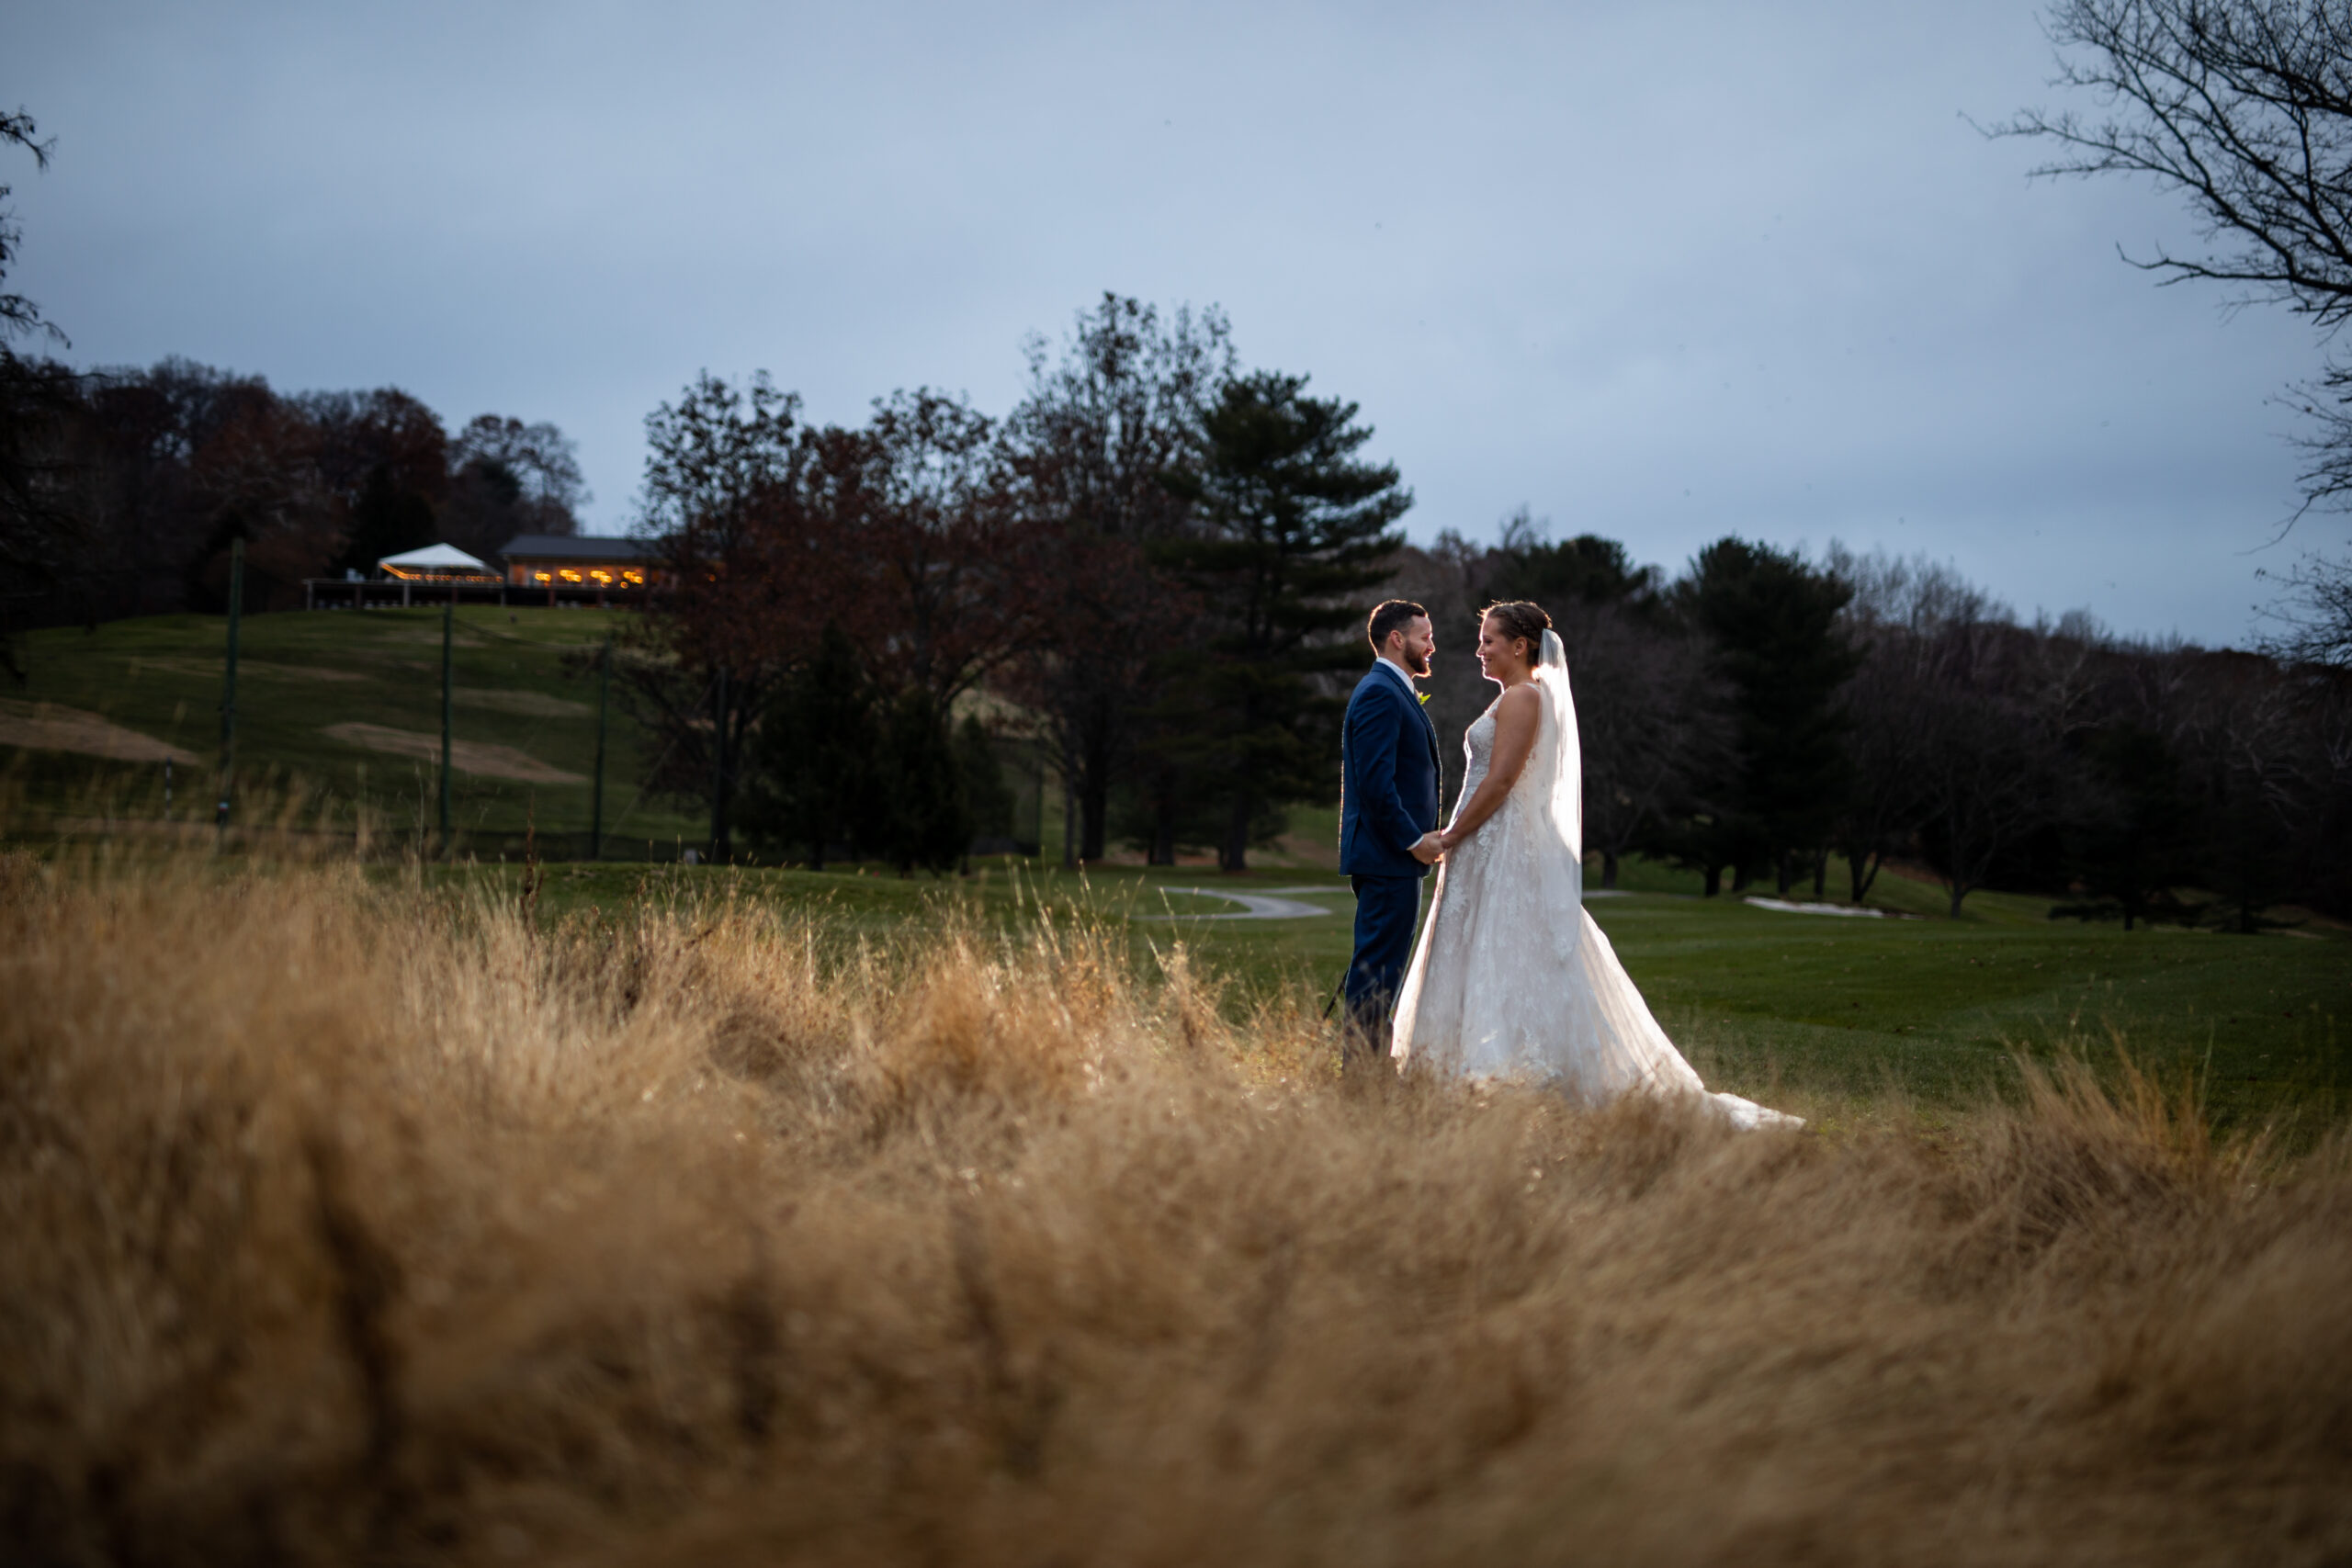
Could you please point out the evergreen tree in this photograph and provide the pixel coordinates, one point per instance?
(1291, 532)
(1162, 804)
(1587, 569)
(984, 793)
(925, 817)
(1773, 624)
(810, 767)
(2131, 835)
(2249, 857)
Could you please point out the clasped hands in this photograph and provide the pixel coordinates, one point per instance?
(1430, 849)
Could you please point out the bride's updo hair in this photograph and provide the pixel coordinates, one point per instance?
(1520, 619)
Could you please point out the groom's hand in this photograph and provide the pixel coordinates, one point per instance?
(1429, 849)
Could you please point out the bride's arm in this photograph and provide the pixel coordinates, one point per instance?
(1517, 714)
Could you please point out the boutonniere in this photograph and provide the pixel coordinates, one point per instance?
(1424, 697)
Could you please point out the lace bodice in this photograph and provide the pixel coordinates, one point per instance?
(1479, 755)
(1477, 752)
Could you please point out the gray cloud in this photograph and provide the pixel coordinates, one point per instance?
(1660, 273)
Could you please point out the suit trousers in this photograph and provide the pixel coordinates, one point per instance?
(1386, 911)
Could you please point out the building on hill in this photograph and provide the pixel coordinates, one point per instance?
(435, 563)
(539, 567)
(581, 562)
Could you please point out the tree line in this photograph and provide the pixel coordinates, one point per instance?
(1150, 569)
(121, 490)
(1154, 568)
(2244, 109)
(1772, 720)
(126, 486)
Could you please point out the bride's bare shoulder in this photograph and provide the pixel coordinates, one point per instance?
(1517, 710)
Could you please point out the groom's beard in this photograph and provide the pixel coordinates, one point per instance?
(1417, 663)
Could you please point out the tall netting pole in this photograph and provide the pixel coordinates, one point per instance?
(719, 845)
(229, 691)
(449, 626)
(596, 800)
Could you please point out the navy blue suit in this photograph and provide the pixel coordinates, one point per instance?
(1388, 798)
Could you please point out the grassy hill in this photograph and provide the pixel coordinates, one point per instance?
(339, 709)
(342, 709)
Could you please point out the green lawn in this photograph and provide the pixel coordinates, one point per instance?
(518, 686)
(1833, 1009)
(1838, 1009)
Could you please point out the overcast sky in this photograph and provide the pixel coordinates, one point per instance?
(1661, 273)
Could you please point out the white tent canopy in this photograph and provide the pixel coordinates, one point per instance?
(431, 558)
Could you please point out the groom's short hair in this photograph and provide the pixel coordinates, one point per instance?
(1386, 616)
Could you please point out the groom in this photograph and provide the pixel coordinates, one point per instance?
(1388, 785)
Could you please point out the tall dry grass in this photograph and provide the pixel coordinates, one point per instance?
(347, 1226)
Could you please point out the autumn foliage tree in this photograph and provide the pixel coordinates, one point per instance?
(1090, 445)
(944, 565)
(897, 539)
(746, 565)
(147, 476)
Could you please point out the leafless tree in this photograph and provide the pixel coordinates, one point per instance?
(1090, 441)
(543, 462)
(258, 479)
(945, 566)
(1987, 753)
(1646, 711)
(2244, 107)
(19, 316)
(747, 575)
(37, 408)
(2313, 615)
(1899, 610)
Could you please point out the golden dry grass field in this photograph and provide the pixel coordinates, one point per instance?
(353, 1223)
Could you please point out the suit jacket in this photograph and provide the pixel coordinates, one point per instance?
(1388, 779)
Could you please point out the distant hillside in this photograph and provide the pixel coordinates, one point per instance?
(346, 707)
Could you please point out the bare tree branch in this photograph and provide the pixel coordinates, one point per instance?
(19, 316)
(2242, 105)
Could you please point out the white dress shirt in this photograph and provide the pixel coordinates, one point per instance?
(1399, 671)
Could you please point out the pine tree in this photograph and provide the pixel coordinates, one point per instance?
(925, 818)
(2131, 838)
(985, 796)
(1291, 533)
(810, 767)
(1772, 622)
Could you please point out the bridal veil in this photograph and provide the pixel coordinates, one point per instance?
(1510, 978)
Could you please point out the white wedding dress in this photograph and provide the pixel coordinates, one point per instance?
(1511, 977)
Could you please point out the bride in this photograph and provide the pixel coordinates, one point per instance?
(1512, 976)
